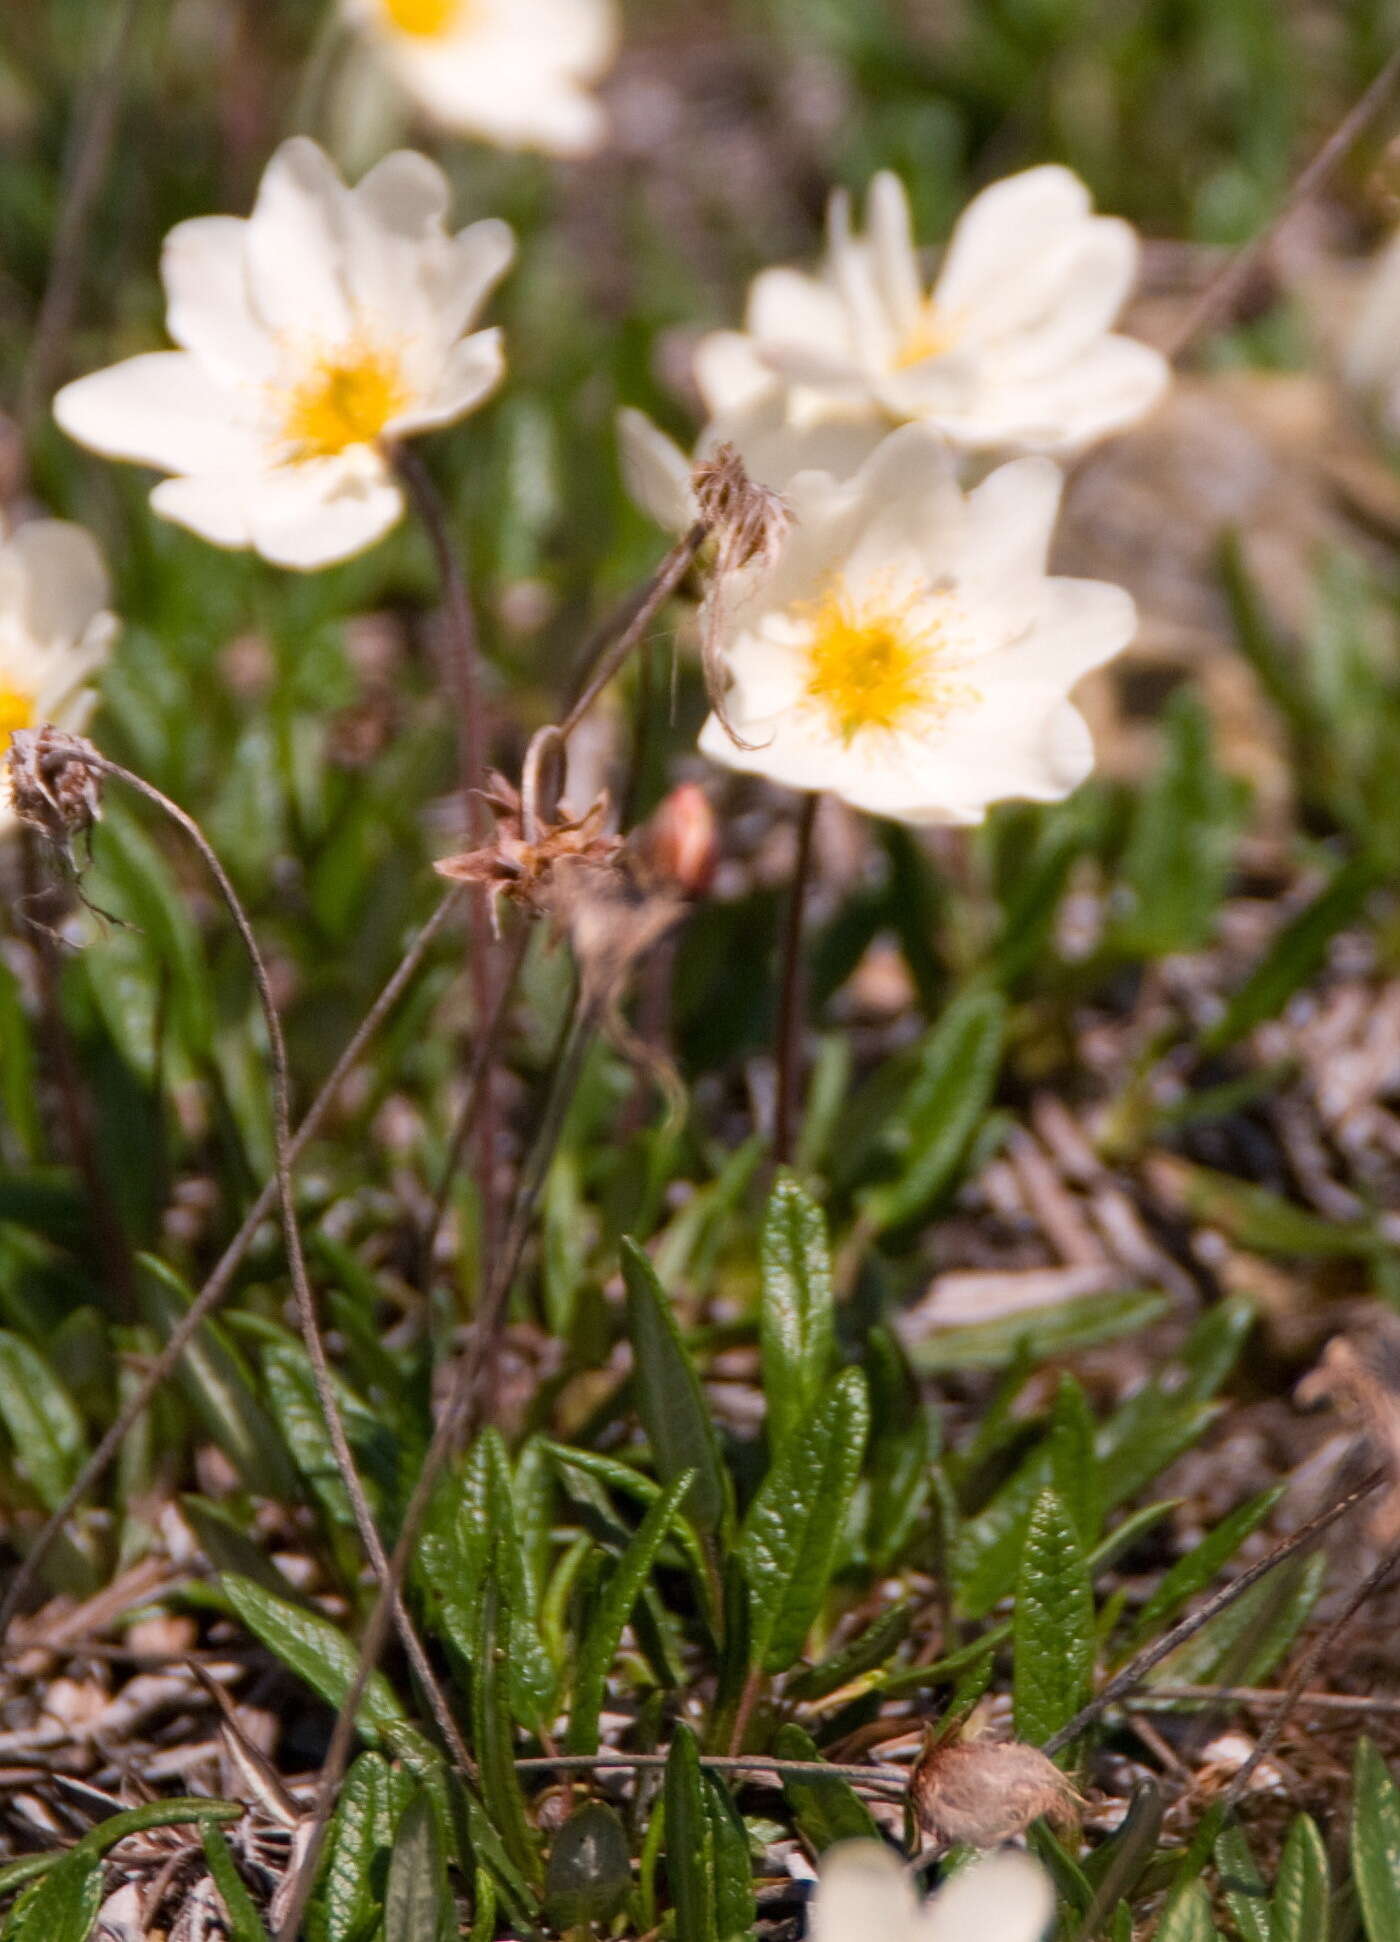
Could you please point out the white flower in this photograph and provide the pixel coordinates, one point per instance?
(55, 632)
(864, 1895)
(313, 336)
(1371, 361)
(907, 651)
(516, 72)
(1011, 348)
(658, 474)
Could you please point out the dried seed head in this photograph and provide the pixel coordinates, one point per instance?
(523, 867)
(748, 521)
(1360, 1377)
(983, 1793)
(680, 844)
(55, 783)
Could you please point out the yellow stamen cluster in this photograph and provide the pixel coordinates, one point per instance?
(931, 336)
(346, 399)
(875, 664)
(16, 711)
(424, 19)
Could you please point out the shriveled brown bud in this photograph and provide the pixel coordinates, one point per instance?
(680, 844)
(748, 520)
(55, 783)
(981, 1792)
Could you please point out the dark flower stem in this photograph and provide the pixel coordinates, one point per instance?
(792, 993)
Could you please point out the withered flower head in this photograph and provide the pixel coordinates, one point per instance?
(54, 782)
(749, 521)
(982, 1793)
(1360, 1377)
(523, 867)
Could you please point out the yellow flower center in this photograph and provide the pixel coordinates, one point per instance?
(875, 665)
(347, 399)
(931, 336)
(424, 19)
(16, 711)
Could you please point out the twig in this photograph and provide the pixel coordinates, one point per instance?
(456, 1415)
(1223, 288)
(1138, 1668)
(464, 661)
(792, 991)
(1270, 1696)
(219, 1282)
(91, 152)
(301, 1283)
(635, 617)
(889, 1780)
(1307, 1671)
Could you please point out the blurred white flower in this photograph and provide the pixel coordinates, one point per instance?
(864, 1895)
(1371, 359)
(55, 632)
(1012, 348)
(313, 335)
(515, 72)
(658, 475)
(907, 651)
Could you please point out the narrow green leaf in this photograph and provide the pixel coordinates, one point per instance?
(794, 1526)
(311, 1647)
(624, 1587)
(1301, 1910)
(1375, 1844)
(244, 1922)
(176, 1812)
(358, 1843)
(1266, 1223)
(1053, 1629)
(63, 1906)
(495, 1748)
(1295, 956)
(1201, 1564)
(1073, 1464)
(417, 1900)
(947, 1099)
(1187, 1917)
(797, 1323)
(1242, 1887)
(1060, 1330)
(41, 1418)
(690, 1861)
(827, 1809)
(670, 1401)
(1243, 1643)
(1180, 845)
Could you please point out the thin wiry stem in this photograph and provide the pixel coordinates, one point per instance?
(221, 1279)
(636, 615)
(792, 990)
(1217, 296)
(91, 152)
(1138, 1668)
(301, 1282)
(464, 662)
(875, 1780)
(456, 1417)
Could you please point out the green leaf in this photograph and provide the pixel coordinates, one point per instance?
(1053, 1629)
(1201, 1564)
(41, 1418)
(1265, 1223)
(311, 1647)
(625, 1584)
(63, 1906)
(670, 1401)
(791, 1535)
(491, 1720)
(1243, 1643)
(244, 1922)
(946, 1101)
(417, 1901)
(1059, 1330)
(1295, 956)
(827, 1809)
(1375, 1844)
(1073, 1464)
(1242, 1886)
(1301, 1910)
(1180, 845)
(797, 1326)
(358, 1843)
(1187, 1917)
(218, 1388)
(707, 1851)
(176, 1812)
(589, 1875)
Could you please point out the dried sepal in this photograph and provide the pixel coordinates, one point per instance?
(55, 782)
(512, 864)
(980, 1793)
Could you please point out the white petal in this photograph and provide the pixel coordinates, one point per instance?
(208, 306)
(163, 409)
(892, 245)
(655, 471)
(53, 582)
(214, 506)
(471, 371)
(296, 246)
(863, 1895)
(514, 101)
(999, 228)
(478, 257)
(1005, 1898)
(911, 512)
(731, 374)
(1010, 522)
(1104, 390)
(313, 515)
(796, 312)
(1081, 624)
(871, 333)
(1076, 299)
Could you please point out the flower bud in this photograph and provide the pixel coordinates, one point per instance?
(682, 845)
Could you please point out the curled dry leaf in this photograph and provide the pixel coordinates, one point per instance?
(1360, 1377)
(981, 1793)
